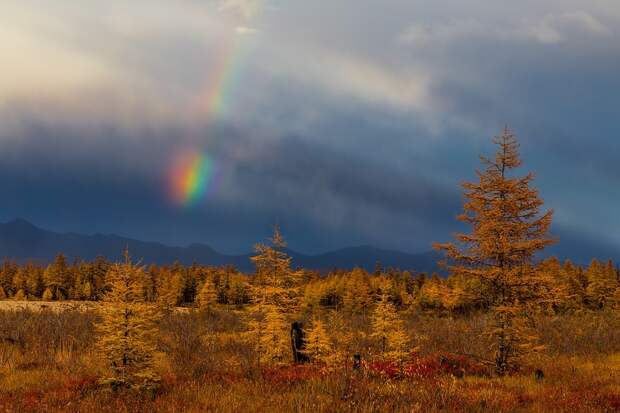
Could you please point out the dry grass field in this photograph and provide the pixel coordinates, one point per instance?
(48, 363)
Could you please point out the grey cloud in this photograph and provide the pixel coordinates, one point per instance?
(351, 122)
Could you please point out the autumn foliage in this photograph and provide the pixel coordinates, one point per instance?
(502, 330)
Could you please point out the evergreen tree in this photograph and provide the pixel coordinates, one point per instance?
(128, 329)
(508, 228)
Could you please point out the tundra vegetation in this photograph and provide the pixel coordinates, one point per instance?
(504, 331)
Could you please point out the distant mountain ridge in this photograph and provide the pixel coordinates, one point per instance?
(22, 241)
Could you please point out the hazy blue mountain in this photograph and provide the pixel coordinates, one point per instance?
(21, 240)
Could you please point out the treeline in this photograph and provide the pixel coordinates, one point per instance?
(571, 287)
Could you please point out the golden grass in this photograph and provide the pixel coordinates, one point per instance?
(48, 365)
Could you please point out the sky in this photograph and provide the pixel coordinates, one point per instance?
(346, 122)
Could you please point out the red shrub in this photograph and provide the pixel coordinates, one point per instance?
(444, 364)
(292, 373)
(388, 369)
(425, 367)
(79, 384)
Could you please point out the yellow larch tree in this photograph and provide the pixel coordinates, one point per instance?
(48, 295)
(388, 329)
(20, 295)
(576, 286)
(275, 300)
(56, 277)
(128, 330)
(357, 296)
(342, 337)
(169, 290)
(275, 282)
(507, 230)
(207, 297)
(319, 346)
(602, 282)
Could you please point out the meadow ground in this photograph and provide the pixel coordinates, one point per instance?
(48, 363)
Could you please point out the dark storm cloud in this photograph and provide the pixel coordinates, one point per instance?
(354, 127)
(75, 174)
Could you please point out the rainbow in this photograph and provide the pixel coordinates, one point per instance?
(214, 97)
(192, 174)
(219, 86)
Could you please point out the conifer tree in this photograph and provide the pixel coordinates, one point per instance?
(318, 344)
(56, 277)
(128, 329)
(48, 295)
(567, 293)
(508, 229)
(614, 299)
(7, 272)
(239, 290)
(275, 282)
(207, 297)
(34, 280)
(87, 291)
(268, 333)
(602, 282)
(342, 336)
(389, 331)
(357, 297)
(275, 298)
(170, 290)
(19, 280)
(20, 295)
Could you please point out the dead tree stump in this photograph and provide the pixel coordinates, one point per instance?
(298, 343)
(539, 374)
(357, 362)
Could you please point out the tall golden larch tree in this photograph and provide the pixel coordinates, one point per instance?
(275, 300)
(128, 329)
(507, 229)
(275, 282)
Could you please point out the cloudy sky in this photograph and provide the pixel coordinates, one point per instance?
(348, 122)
